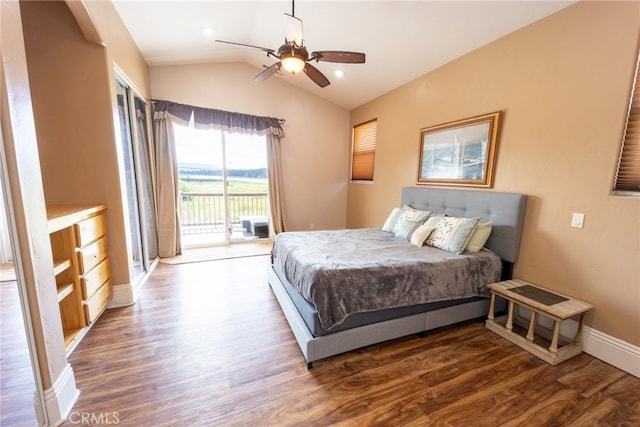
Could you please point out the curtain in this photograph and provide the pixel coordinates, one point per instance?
(167, 187)
(276, 192)
(148, 182)
(208, 118)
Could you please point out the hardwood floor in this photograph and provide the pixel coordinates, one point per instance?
(236, 250)
(17, 386)
(207, 345)
(7, 272)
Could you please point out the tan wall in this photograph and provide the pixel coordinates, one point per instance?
(121, 49)
(72, 85)
(316, 146)
(563, 85)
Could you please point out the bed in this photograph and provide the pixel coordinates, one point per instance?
(345, 289)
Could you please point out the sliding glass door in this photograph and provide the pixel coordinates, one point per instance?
(247, 195)
(223, 187)
(133, 114)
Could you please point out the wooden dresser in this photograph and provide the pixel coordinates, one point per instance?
(81, 266)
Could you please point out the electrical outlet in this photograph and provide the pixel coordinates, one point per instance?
(312, 226)
(577, 220)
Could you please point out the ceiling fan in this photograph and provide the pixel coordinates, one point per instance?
(294, 57)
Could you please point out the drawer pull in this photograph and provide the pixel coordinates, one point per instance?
(91, 255)
(91, 229)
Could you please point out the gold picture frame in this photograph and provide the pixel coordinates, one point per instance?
(460, 153)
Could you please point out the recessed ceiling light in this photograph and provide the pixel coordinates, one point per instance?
(339, 73)
(208, 31)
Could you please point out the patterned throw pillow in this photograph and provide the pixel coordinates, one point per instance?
(410, 214)
(452, 233)
(479, 237)
(434, 219)
(399, 215)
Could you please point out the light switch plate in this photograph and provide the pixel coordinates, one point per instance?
(577, 220)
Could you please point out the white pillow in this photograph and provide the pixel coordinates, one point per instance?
(479, 237)
(420, 235)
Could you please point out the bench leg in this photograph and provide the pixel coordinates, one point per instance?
(509, 324)
(492, 307)
(554, 341)
(532, 325)
(578, 339)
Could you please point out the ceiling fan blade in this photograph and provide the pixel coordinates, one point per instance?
(294, 29)
(267, 72)
(315, 75)
(264, 49)
(339, 56)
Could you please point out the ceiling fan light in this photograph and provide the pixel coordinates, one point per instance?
(208, 31)
(293, 64)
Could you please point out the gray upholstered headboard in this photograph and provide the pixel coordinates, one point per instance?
(504, 210)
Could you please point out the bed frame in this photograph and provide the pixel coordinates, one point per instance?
(504, 210)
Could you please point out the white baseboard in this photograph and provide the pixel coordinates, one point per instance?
(60, 398)
(611, 350)
(122, 296)
(127, 294)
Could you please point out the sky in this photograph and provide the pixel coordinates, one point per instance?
(205, 147)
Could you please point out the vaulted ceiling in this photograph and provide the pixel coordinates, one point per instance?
(402, 40)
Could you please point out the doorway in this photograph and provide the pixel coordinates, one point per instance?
(223, 181)
(19, 390)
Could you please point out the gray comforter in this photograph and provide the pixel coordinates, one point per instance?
(344, 272)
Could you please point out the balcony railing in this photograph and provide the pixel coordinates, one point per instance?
(204, 212)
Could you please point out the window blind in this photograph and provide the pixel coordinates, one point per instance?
(364, 151)
(627, 180)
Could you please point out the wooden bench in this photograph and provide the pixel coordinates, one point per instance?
(539, 301)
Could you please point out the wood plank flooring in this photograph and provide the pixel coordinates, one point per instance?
(207, 345)
(7, 272)
(236, 250)
(17, 386)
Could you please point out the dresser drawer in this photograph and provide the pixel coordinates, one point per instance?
(95, 278)
(91, 255)
(97, 303)
(91, 229)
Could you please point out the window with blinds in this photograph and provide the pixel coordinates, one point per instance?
(627, 180)
(364, 151)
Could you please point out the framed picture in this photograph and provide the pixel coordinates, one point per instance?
(460, 153)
